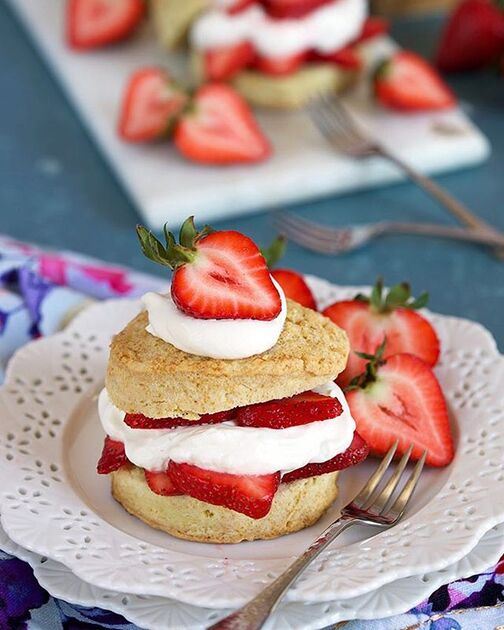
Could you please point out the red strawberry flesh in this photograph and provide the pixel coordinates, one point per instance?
(228, 280)
(355, 454)
(251, 495)
(112, 458)
(95, 23)
(139, 421)
(161, 483)
(289, 412)
(405, 403)
(222, 64)
(295, 288)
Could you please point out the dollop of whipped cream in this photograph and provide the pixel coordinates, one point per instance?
(328, 28)
(214, 338)
(229, 448)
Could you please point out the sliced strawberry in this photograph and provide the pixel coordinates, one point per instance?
(355, 454)
(220, 129)
(473, 36)
(373, 27)
(289, 412)
(368, 323)
(217, 275)
(95, 23)
(406, 82)
(285, 9)
(347, 58)
(150, 106)
(160, 483)
(403, 401)
(222, 64)
(139, 421)
(280, 66)
(112, 457)
(248, 494)
(238, 6)
(295, 288)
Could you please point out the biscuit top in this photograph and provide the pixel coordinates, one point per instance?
(144, 371)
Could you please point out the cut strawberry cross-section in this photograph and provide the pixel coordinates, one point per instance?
(217, 275)
(160, 483)
(222, 64)
(112, 457)
(151, 104)
(139, 421)
(94, 23)
(251, 495)
(292, 9)
(355, 454)
(289, 412)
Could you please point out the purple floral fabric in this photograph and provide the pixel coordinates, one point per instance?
(38, 290)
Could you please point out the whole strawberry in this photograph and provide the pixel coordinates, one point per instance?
(473, 36)
(368, 320)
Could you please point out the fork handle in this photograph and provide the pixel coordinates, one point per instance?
(253, 615)
(456, 208)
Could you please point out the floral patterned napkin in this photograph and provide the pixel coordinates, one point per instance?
(39, 293)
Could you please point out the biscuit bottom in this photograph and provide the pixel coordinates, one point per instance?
(296, 505)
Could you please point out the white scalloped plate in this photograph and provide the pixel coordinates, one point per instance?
(159, 613)
(54, 504)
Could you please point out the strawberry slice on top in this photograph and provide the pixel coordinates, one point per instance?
(139, 421)
(399, 398)
(220, 128)
(289, 412)
(216, 275)
(95, 23)
(407, 82)
(151, 104)
(222, 64)
(251, 495)
(161, 483)
(292, 9)
(369, 320)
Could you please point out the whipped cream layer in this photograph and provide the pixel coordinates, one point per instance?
(325, 29)
(214, 338)
(229, 448)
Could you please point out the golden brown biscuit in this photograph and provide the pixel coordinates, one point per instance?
(149, 376)
(172, 19)
(296, 505)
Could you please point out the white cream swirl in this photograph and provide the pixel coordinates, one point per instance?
(215, 338)
(229, 448)
(326, 29)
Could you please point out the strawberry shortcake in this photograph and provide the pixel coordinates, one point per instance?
(222, 419)
(277, 53)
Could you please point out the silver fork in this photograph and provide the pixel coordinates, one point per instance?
(374, 505)
(329, 240)
(338, 127)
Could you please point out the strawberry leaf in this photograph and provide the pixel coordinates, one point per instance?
(361, 381)
(275, 251)
(187, 233)
(420, 302)
(398, 296)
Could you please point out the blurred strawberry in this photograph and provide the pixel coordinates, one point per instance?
(473, 36)
(293, 284)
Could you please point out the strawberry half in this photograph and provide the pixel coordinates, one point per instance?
(95, 23)
(112, 458)
(220, 129)
(248, 494)
(293, 284)
(139, 421)
(280, 66)
(473, 36)
(408, 83)
(217, 275)
(222, 64)
(289, 412)
(151, 104)
(355, 454)
(285, 9)
(399, 398)
(368, 321)
(160, 483)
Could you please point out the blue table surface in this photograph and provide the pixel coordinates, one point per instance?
(56, 189)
